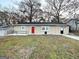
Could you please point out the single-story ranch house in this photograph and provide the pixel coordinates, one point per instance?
(35, 29)
(41, 28)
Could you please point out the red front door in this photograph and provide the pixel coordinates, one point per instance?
(33, 29)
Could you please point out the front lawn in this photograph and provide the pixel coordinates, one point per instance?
(39, 47)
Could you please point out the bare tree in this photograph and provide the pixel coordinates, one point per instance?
(57, 7)
(29, 8)
(73, 12)
(75, 8)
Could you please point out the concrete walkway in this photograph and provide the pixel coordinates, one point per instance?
(72, 36)
(17, 34)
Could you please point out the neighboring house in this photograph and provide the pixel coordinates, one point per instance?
(41, 28)
(73, 23)
(5, 30)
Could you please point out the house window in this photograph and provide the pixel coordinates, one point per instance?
(45, 28)
(22, 27)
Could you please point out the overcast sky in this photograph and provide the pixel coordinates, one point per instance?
(9, 3)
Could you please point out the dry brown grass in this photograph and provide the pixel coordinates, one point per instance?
(39, 47)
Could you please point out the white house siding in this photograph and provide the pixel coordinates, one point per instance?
(29, 30)
(66, 30)
(39, 29)
(52, 30)
(10, 30)
(56, 30)
(16, 29)
(21, 29)
(77, 26)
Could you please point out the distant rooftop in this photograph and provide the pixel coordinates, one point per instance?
(68, 20)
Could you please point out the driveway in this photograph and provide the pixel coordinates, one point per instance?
(72, 36)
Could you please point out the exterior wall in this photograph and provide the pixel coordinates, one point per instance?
(77, 26)
(40, 31)
(3, 32)
(10, 30)
(16, 28)
(29, 30)
(56, 30)
(21, 29)
(66, 30)
(51, 30)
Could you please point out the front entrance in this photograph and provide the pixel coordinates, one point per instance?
(33, 30)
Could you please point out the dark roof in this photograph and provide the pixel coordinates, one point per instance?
(5, 27)
(41, 24)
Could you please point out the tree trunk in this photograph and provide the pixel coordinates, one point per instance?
(76, 26)
(58, 20)
(57, 17)
(30, 18)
